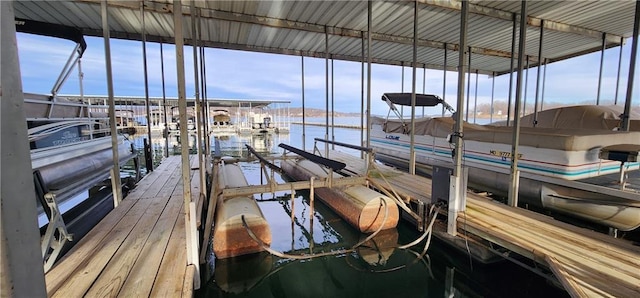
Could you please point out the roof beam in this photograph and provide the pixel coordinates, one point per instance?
(294, 25)
(271, 50)
(531, 21)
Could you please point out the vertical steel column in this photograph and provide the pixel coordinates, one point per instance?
(115, 170)
(526, 86)
(402, 87)
(493, 89)
(164, 105)
(326, 76)
(333, 135)
(20, 254)
(466, 118)
(203, 99)
(544, 82)
(475, 99)
(457, 193)
(424, 82)
(444, 78)
(369, 8)
(540, 59)
(362, 127)
(304, 134)
(192, 257)
(197, 105)
(146, 81)
(615, 102)
(604, 47)
(632, 70)
(513, 49)
(514, 173)
(412, 149)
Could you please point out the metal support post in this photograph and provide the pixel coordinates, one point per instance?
(466, 118)
(444, 78)
(513, 49)
(475, 99)
(362, 127)
(304, 136)
(326, 77)
(369, 8)
(191, 241)
(456, 193)
(146, 83)
(198, 104)
(20, 255)
(333, 135)
(412, 149)
(115, 170)
(539, 72)
(514, 173)
(165, 131)
(604, 47)
(493, 89)
(626, 121)
(526, 86)
(424, 83)
(544, 82)
(615, 102)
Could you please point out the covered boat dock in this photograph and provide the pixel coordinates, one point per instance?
(482, 34)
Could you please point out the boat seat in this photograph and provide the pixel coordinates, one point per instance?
(622, 153)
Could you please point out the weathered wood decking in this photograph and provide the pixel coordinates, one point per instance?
(587, 263)
(138, 249)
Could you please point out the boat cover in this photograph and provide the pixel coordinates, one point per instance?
(581, 117)
(550, 138)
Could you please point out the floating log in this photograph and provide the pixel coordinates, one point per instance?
(230, 237)
(358, 205)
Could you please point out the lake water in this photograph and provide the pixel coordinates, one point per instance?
(375, 270)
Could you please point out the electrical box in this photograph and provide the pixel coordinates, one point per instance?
(441, 182)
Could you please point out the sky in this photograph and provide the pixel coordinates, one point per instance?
(249, 75)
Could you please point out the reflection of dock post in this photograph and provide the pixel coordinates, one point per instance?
(311, 199)
(449, 290)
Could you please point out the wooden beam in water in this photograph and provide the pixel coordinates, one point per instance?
(254, 189)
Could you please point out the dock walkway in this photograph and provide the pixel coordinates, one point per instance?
(587, 263)
(137, 250)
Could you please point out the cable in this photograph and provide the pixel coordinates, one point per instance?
(315, 255)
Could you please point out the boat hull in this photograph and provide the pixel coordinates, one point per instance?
(489, 170)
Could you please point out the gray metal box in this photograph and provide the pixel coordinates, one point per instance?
(440, 182)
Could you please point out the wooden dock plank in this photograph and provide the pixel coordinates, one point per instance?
(165, 173)
(150, 179)
(587, 263)
(116, 271)
(139, 249)
(170, 278)
(81, 252)
(86, 272)
(143, 273)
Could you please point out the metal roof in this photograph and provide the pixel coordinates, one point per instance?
(571, 28)
(173, 101)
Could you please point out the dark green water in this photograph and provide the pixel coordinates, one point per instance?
(376, 269)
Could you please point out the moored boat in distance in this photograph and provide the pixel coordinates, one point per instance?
(552, 161)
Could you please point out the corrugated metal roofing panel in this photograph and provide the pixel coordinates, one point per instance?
(296, 27)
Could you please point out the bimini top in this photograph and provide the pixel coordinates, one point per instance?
(404, 99)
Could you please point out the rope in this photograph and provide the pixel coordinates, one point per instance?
(316, 255)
